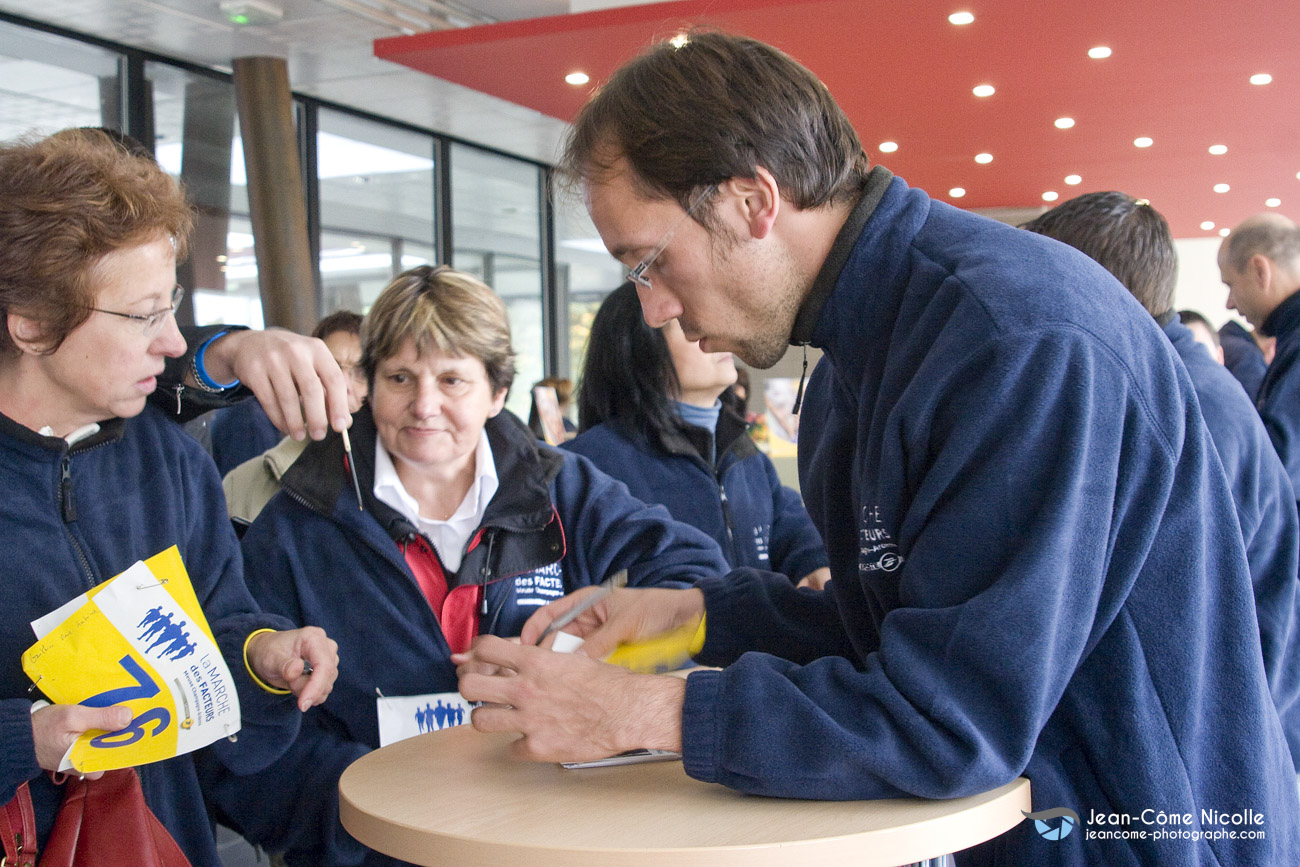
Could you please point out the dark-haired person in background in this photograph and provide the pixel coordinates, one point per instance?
(563, 388)
(650, 414)
(1132, 240)
(1036, 559)
(1259, 262)
(1203, 330)
(736, 398)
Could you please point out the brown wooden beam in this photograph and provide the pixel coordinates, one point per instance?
(286, 275)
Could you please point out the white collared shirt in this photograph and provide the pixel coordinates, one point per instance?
(448, 537)
(76, 436)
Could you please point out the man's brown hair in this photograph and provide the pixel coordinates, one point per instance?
(716, 108)
(1127, 236)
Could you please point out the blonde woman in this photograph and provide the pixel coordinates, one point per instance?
(467, 525)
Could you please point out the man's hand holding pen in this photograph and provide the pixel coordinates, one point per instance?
(569, 707)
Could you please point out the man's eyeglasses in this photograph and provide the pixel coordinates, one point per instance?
(150, 323)
(637, 274)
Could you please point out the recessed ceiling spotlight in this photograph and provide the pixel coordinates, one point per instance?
(1064, 122)
(1217, 150)
(1261, 78)
(983, 90)
(679, 40)
(577, 79)
(983, 159)
(957, 192)
(888, 147)
(1101, 52)
(1224, 232)
(1073, 180)
(1051, 196)
(1143, 141)
(960, 18)
(1207, 225)
(1221, 188)
(1272, 203)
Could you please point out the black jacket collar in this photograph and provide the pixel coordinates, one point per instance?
(810, 311)
(110, 430)
(319, 478)
(693, 441)
(1284, 319)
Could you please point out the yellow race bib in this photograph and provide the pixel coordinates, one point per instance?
(139, 640)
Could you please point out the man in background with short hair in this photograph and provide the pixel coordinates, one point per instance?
(1260, 263)
(1131, 239)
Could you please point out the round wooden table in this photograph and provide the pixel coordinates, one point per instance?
(456, 797)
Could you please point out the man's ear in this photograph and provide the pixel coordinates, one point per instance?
(1261, 268)
(760, 201)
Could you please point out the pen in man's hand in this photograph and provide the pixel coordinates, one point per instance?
(618, 579)
(352, 467)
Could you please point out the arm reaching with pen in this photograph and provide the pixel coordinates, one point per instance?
(294, 377)
(298, 382)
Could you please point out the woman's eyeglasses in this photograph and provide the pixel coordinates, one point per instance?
(150, 323)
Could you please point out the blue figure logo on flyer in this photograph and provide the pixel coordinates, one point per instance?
(405, 716)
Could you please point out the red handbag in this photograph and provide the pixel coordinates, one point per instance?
(106, 823)
(101, 823)
(19, 830)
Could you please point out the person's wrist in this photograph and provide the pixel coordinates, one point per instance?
(693, 607)
(253, 660)
(211, 365)
(658, 721)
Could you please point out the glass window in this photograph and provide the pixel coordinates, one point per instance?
(496, 232)
(376, 207)
(196, 132)
(51, 83)
(585, 273)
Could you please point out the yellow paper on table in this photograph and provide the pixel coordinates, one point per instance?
(139, 640)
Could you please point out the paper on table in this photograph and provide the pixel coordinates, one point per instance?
(140, 640)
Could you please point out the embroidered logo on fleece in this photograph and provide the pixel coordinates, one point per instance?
(877, 550)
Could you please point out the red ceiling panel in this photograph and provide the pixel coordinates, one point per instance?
(1179, 73)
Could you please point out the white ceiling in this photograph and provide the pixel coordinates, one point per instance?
(329, 54)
